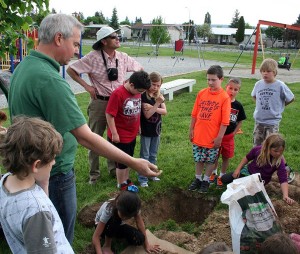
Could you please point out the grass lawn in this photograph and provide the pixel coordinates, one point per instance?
(175, 153)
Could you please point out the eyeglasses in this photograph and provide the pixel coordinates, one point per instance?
(113, 37)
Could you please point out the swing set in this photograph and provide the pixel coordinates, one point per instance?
(257, 32)
(178, 45)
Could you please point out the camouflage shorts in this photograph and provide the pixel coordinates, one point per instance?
(205, 155)
(261, 131)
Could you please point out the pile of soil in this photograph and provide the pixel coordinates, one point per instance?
(199, 209)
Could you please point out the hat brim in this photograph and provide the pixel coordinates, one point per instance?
(97, 45)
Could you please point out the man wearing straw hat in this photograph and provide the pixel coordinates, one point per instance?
(106, 68)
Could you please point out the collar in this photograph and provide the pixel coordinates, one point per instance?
(49, 59)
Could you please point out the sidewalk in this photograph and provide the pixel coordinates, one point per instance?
(167, 67)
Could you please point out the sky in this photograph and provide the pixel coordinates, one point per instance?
(174, 12)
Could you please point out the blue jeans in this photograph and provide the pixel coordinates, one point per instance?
(62, 192)
(149, 148)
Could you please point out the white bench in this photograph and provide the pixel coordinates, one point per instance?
(175, 85)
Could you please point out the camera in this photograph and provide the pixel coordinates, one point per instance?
(112, 74)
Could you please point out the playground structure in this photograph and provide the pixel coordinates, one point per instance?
(177, 42)
(9, 62)
(257, 33)
(269, 23)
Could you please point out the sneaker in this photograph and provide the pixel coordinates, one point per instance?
(155, 179)
(219, 182)
(213, 177)
(144, 184)
(124, 186)
(204, 187)
(290, 174)
(195, 185)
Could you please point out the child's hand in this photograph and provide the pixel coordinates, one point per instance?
(288, 200)
(217, 142)
(115, 138)
(152, 249)
(147, 106)
(236, 174)
(160, 99)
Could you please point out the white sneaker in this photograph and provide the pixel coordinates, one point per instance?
(144, 184)
(155, 179)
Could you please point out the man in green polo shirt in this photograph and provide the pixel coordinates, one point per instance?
(38, 90)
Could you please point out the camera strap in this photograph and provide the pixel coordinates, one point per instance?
(104, 60)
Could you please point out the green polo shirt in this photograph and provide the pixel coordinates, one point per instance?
(38, 90)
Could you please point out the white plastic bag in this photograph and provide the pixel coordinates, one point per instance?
(251, 213)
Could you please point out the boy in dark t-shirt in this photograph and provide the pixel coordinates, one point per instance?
(237, 115)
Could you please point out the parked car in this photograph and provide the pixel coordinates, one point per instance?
(249, 46)
(122, 38)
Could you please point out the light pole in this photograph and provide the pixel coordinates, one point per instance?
(189, 23)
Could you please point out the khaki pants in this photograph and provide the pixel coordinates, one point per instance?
(97, 123)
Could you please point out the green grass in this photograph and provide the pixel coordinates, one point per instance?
(223, 53)
(175, 153)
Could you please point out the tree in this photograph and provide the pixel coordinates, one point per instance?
(138, 20)
(207, 19)
(298, 20)
(240, 32)
(125, 22)
(204, 31)
(158, 33)
(235, 19)
(114, 23)
(15, 18)
(274, 33)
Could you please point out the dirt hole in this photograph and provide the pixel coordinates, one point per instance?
(176, 204)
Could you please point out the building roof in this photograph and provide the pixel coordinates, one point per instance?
(95, 26)
(228, 31)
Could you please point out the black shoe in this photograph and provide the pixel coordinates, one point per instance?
(195, 185)
(204, 187)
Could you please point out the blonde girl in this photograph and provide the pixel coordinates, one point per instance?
(265, 159)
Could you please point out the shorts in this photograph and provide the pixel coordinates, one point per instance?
(227, 146)
(261, 131)
(205, 155)
(126, 148)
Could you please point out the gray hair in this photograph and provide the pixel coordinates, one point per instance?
(58, 23)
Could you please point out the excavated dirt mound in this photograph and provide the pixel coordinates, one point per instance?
(183, 206)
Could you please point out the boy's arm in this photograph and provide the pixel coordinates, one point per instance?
(285, 193)
(149, 110)
(96, 237)
(112, 126)
(218, 139)
(238, 126)
(287, 103)
(254, 98)
(192, 125)
(35, 229)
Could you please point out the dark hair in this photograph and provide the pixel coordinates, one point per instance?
(215, 247)
(140, 80)
(3, 116)
(28, 140)
(216, 70)
(279, 243)
(127, 203)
